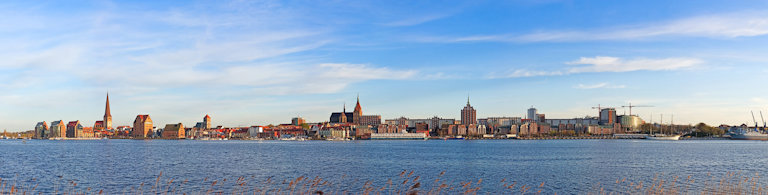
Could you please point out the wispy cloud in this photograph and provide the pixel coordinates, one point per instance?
(600, 86)
(416, 20)
(607, 64)
(615, 64)
(732, 25)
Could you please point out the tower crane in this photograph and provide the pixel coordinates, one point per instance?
(630, 106)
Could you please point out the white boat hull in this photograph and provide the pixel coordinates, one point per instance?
(663, 137)
(750, 137)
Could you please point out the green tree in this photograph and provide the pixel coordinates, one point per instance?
(704, 130)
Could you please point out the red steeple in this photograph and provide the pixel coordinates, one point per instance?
(106, 110)
(358, 109)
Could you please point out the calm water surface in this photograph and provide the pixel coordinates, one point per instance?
(565, 166)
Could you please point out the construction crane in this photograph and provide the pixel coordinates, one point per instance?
(600, 110)
(630, 106)
(599, 107)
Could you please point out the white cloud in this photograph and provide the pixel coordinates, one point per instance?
(530, 73)
(615, 64)
(748, 24)
(600, 86)
(606, 64)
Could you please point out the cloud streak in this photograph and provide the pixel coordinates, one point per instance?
(733, 25)
(608, 64)
(600, 86)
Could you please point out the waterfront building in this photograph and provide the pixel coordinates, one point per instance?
(58, 129)
(533, 114)
(174, 131)
(499, 125)
(388, 128)
(41, 130)
(74, 129)
(631, 121)
(298, 121)
(398, 121)
(142, 127)
(254, 131)
(98, 125)
(87, 132)
(363, 131)
(107, 122)
(335, 131)
(422, 127)
(468, 114)
(534, 128)
(607, 116)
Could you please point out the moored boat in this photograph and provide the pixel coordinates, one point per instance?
(749, 135)
(662, 137)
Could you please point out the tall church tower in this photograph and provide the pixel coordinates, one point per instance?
(343, 117)
(357, 113)
(207, 122)
(107, 116)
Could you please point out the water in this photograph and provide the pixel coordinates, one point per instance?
(565, 166)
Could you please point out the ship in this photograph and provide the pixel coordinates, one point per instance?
(662, 136)
(749, 135)
(745, 133)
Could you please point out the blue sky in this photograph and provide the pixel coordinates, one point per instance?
(263, 62)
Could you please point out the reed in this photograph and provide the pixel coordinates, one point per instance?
(407, 182)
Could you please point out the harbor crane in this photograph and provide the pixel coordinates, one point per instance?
(753, 119)
(630, 106)
(761, 117)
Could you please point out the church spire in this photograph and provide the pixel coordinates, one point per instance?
(106, 110)
(107, 122)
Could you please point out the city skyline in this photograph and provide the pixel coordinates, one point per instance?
(251, 63)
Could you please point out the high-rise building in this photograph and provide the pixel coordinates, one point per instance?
(107, 122)
(468, 114)
(298, 121)
(142, 126)
(533, 114)
(41, 130)
(607, 116)
(58, 129)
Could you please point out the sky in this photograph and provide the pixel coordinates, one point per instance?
(264, 62)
